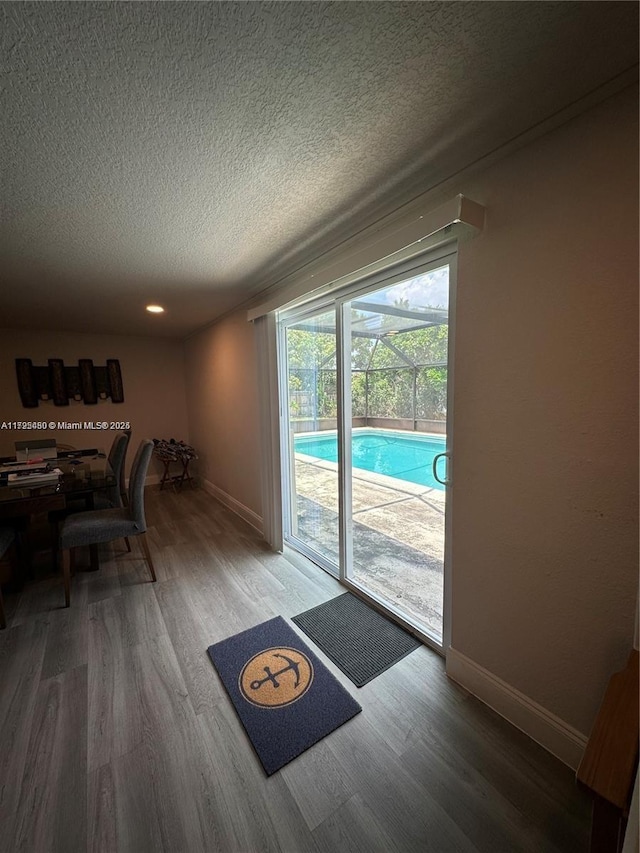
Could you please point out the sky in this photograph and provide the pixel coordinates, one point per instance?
(428, 290)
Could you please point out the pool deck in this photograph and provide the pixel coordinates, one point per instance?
(398, 534)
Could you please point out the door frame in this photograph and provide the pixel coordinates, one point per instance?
(339, 300)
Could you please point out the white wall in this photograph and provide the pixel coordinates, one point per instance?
(545, 542)
(222, 399)
(152, 377)
(545, 501)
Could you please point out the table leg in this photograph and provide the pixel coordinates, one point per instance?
(186, 472)
(94, 559)
(165, 473)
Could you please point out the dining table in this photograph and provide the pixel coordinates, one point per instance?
(82, 473)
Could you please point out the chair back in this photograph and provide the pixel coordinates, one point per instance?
(123, 488)
(117, 456)
(136, 483)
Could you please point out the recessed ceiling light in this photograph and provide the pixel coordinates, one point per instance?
(155, 309)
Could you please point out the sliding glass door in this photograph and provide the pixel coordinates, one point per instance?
(365, 385)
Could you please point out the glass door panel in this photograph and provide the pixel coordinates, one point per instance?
(311, 451)
(398, 340)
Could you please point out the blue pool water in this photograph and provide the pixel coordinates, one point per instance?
(406, 457)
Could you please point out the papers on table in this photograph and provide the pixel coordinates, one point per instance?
(12, 467)
(30, 477)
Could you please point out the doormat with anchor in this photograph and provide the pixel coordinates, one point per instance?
(360, 641)
(286, 698)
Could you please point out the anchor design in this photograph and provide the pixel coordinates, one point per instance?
(292, 665)
(275, 663)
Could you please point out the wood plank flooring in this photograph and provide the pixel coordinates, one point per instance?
(117, 735)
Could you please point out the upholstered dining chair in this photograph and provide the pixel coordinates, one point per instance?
(104, 525)
(111, 497)
(116, 495)
(7, 535)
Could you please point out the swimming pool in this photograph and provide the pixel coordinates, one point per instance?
(406, 456)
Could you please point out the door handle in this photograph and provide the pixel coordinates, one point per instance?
(447, 456)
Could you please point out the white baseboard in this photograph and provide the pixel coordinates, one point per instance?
(234, 505)
(556, 736)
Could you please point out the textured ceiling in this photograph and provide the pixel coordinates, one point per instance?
(193, 153)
